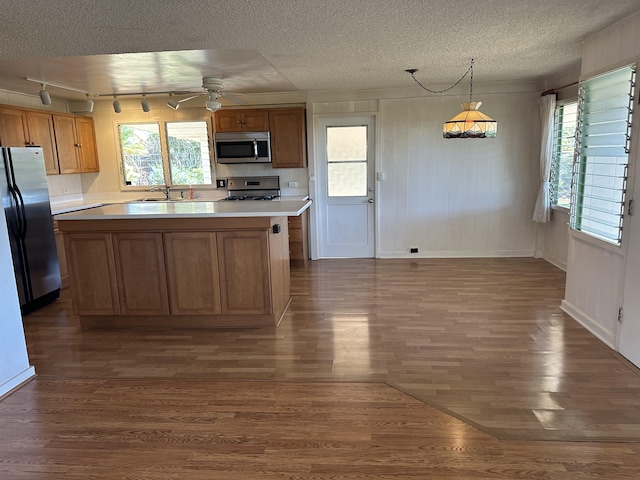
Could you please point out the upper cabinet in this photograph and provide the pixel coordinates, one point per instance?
(68, 141)
(87, 149)
(245, 120)
(286, 127)
(13, 127)
(288, 138)
(40, 130)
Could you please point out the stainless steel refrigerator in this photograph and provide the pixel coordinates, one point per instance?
(25, 199)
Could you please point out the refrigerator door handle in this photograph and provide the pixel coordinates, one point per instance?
(22, 214)
(16, 226)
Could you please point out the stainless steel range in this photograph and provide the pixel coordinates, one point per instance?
(252, 188)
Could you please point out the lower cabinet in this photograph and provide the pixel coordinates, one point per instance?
(185, 278)
(192, 273)
(244, 272)
(92, 273)
(140, 270)
(299, 240)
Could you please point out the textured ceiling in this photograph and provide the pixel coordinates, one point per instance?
(291, 45)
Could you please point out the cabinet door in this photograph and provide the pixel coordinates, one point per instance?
(192, 272)
(255, 120)
(228, 121)
(288, 138)
(245, 286)
(40, 127)
(92, 274)
(87, 144)
(13, 128)
(142, 280)
(66, 143)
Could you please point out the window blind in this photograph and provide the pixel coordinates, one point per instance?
(603, 139)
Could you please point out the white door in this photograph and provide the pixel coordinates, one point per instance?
(629, 337)
(345, 191)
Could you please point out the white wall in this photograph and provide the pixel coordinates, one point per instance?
(595, 270)
(448, 197)
(14, 362)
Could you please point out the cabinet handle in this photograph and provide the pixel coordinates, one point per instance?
(78, 145)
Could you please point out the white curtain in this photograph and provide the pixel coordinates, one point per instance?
(542, 212)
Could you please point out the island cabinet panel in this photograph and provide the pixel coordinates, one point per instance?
(140, 269)
(92, 274)
(245, 272)
(192, 273)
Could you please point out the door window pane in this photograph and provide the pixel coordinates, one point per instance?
(141, 154)
(189, 159)
(347, 161)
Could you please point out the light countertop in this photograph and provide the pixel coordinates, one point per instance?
(190, 209)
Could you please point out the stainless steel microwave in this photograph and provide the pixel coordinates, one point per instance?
(243, 147)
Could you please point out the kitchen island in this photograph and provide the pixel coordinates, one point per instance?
(180, 264)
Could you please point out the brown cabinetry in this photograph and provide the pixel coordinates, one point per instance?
(13, 127)
(187, 272)
(76, 144)
(244, 272)
(87, 149)
(41, 133)
(68, 141)
(192, 273)
(140, 270)
(288, 138)
(299, 240)
(92, 273)
(245, 120)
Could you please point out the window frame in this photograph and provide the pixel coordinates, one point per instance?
(581, 160)
(556, 162)
(164, 150)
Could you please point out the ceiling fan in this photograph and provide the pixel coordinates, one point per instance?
(214, 90)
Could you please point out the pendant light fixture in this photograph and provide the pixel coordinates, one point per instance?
(471, 122)
(213, 104)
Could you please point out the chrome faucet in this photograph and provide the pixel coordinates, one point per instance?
(166, 189)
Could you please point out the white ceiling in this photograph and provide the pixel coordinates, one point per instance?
(256, 46)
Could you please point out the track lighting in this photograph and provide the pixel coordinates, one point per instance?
(89, 104)
(172, 103)
(145, 104)
(44, 96)
(116, 105)
(213, 104)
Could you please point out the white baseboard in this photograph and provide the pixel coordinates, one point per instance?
(458, 254)
(589, 323)
(562, 265)
(17, 380)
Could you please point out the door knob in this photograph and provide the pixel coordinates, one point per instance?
(370, 200)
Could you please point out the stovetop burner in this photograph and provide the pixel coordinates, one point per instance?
(245, 197)
(252, 188)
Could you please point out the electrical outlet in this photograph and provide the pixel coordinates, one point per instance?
(293, 184)
(414, 250)
(221, 183)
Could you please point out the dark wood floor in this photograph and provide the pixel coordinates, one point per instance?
(334, 391)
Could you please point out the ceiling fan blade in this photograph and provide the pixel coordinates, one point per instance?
(190, 98)
(232, 98)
